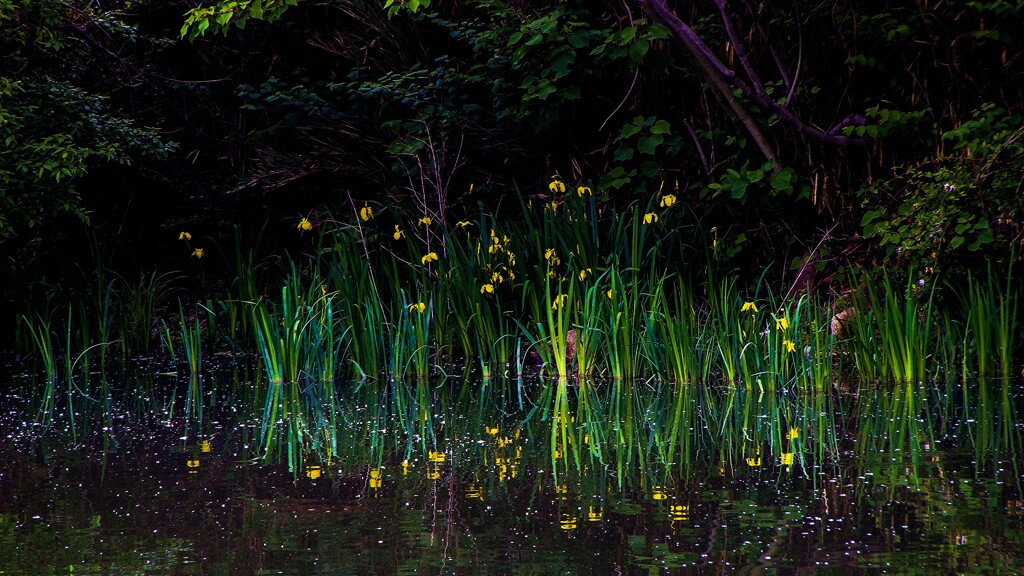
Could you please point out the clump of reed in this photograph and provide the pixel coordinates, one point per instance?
(567, 287)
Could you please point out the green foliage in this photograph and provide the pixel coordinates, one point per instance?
(219, 17)
(53, 128)
(940, 214)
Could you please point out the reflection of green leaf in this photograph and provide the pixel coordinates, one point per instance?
(627, 508)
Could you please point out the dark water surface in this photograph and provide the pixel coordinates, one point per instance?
(457, 478)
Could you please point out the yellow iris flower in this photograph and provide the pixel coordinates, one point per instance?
(559, 301)
(198, 253)
(305, 225)
(430, 257)
(366, 213)
(184, 236)
(749, 306)
(650, 218)
(419, 307)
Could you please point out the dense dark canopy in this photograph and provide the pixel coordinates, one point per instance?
(829, 132)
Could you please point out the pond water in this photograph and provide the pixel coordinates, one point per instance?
(470, 477)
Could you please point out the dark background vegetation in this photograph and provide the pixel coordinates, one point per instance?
(837, 134)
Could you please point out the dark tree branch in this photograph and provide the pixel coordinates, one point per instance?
(720, 76)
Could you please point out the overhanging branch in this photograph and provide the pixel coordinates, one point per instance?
(719, 75)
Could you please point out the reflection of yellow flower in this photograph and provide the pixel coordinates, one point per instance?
(205, 446)
(198, 253)
(305, 225)
(398, 233)
(789, 346)
(567, 522)
(312, 472)
(787, 459)
(487, 289)
(678, 512)
(650, 218)
(749, 306)
(595, 513)
(793, 434)
(430, 257)
(667, 200)
(184, 236)
(366, 213)
(658, 493)
(781, 323)
(754, 461)
(438, 457)
(556, 186)
(375, 478)
(420, 307)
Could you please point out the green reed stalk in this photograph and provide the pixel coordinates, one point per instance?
(905, 330)
(42, 339)
(41, 336)
(191, 341)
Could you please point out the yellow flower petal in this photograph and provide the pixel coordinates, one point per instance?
(366, 213)
(184, 236)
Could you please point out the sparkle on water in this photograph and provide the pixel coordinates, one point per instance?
(500, 477)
